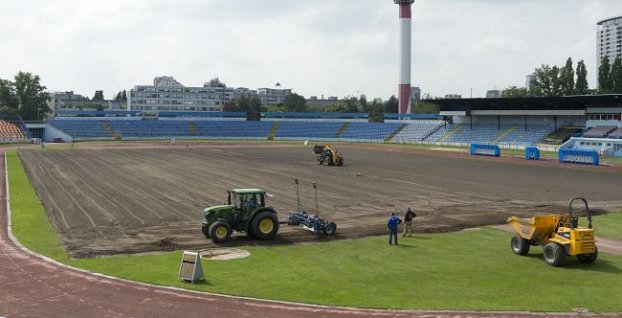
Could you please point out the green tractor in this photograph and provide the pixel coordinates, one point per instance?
(247, 213)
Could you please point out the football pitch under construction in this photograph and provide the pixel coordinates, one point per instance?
(105, 200)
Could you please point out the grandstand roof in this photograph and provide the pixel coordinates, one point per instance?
(528, 103)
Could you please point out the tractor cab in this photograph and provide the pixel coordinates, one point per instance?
(245, 201)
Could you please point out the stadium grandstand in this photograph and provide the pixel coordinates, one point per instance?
(13, 129)
(584, 122)
(508, 122)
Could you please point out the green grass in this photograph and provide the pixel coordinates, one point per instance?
(608, 225)
(472, 270)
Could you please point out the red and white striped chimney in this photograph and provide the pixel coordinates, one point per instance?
(405, 39)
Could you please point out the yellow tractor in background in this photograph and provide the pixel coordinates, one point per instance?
(327, 155)
(560, 235)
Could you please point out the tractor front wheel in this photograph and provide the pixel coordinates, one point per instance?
(588, 258)
(520, 246)
(265, 225)
(330, 228)
(554, 254)
(220, 231)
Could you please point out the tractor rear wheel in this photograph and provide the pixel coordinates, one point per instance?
(220, 231)
(264, 225)
(330, 228)
(554, 254)
(588, 258)
(519, 245)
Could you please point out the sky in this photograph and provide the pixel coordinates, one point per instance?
(316, 48)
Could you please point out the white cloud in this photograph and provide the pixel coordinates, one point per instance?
(316, 47)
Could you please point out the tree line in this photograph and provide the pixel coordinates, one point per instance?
(556, 81)
(297, 103)
(24, 96)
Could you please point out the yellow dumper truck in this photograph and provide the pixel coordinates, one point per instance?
(560, 235)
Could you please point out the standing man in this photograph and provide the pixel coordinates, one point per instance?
(394, 221)
(408, 222)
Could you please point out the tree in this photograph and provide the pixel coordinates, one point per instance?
(230, 106)
(566, 78)
(336, 108)
(121, 96)
(351, 104)
(616, 76)
(391, 105)
(363, 103)
(8, 99)
(295, 103)
(376, 112)
(252, 106)
(99, 95)
(31, 96)
(581, 86)
(254, 109)
(280, 108)
(424, 108)
(604, 78)
(546, 82)
(515, 92)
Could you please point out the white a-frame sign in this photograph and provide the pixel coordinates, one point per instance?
(190, 268)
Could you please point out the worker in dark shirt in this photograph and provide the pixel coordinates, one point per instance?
(393, 223)
(408, 222)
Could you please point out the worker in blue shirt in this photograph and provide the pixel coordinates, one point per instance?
(393, 222)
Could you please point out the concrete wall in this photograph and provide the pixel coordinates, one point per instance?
(51, 132)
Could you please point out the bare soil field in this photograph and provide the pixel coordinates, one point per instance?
(112, 201)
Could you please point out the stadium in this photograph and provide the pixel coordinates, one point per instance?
(118, 187)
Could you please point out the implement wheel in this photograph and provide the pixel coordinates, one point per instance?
(588, 258)
(519, 245)
(554, 254)
(265, 225)
(220, 231)
(330, 228)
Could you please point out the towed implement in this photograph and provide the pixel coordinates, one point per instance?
(313, 223)
(560, 235)
(327, 155)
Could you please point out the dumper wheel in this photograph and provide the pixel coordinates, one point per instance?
(220, 231)
(265, 225)
(588, 258)
(520, 246)
(554, 254)
(330, 228)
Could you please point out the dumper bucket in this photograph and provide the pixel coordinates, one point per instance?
(536, 229)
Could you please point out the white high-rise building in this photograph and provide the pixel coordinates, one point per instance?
(608, 40)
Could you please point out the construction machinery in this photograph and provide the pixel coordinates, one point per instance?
(327, 155)
(245, 211)
(312, 223)
(560, 235)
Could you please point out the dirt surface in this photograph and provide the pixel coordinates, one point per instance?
(112, 201)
